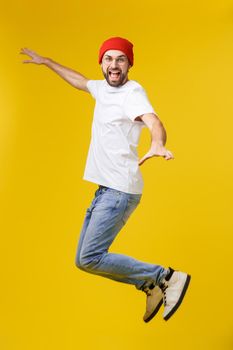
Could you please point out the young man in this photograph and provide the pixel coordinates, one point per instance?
(122, 109)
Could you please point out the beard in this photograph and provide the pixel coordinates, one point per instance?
(121, 79)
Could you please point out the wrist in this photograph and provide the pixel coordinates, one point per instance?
(46, 61)
(157, 144)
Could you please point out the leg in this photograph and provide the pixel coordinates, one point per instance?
(137, 283)
(109, 212)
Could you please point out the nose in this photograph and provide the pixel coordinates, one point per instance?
(114, 63)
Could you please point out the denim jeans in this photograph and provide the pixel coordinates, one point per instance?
(107, 214)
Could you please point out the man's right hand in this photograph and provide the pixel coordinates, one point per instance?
(35, 58)
(74, 78)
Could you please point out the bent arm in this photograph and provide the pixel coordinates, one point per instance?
(158, 138)
(157, 130)
(74, 78)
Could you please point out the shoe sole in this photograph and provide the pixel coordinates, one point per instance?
(180, 299)
(154, 312)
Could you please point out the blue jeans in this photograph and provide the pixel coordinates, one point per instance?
(107, 214)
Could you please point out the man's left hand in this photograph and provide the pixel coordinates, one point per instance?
(157, 151)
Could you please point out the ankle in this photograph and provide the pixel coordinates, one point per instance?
(169, 274)
(163, 284)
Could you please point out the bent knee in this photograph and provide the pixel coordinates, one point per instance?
(87, 263)
(79, 264)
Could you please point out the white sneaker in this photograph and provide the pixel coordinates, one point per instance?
(154, 301)
(174, 287)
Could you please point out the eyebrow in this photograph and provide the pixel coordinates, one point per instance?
(117, 56)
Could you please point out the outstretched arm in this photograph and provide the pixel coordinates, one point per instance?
(72, 77)
(158, 138)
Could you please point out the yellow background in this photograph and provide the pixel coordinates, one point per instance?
(183, 58)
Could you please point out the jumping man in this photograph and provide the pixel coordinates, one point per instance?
(122, 110)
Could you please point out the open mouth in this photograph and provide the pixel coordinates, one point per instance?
(114, 74)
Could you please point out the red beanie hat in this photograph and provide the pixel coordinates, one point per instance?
(117, 43)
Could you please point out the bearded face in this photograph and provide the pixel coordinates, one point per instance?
(115, 67)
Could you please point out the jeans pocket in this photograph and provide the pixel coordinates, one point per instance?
(132, 204)
(106, 201)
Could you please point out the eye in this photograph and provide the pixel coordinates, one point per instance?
(107, 59)
(122, 60)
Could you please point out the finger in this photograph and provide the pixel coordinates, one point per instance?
(171, 154)
(24, 52)
(24, 49)
(28, 52)
(169, 157)
(142, 161)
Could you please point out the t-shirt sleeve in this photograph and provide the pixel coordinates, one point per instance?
(137, 103)
(93, 86)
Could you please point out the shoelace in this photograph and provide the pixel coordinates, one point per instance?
(163, 286)
(148, 290)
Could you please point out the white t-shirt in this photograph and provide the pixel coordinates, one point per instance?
(112, 159)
